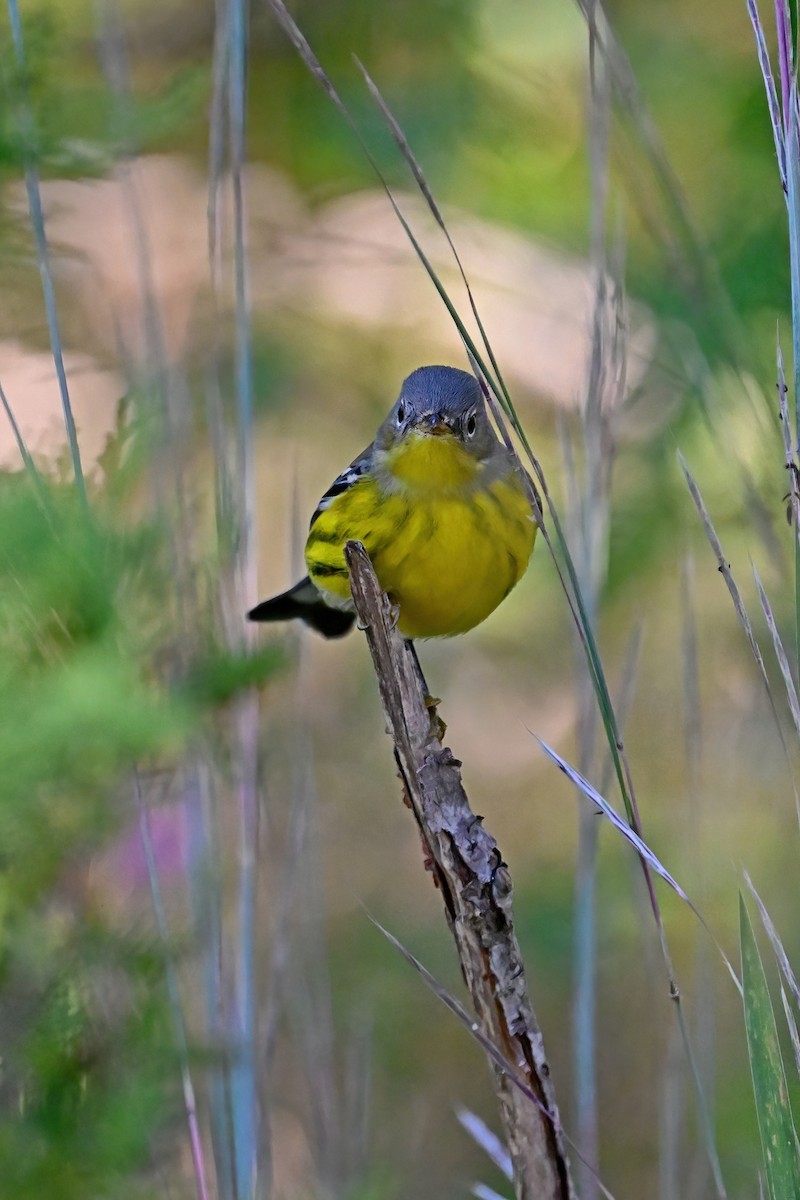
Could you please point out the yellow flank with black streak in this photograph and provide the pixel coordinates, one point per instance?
(447, 545)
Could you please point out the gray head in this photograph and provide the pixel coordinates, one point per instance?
(440, 400)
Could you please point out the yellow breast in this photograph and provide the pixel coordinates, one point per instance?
(446, 549)
(424, 464)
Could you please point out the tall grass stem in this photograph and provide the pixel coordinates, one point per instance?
(42, 252)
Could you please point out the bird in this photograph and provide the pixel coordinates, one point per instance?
(442, 507)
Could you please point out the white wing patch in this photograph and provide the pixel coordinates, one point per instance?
(342, 483)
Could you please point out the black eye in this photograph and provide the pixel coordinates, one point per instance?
(401, 413)
(472, 425)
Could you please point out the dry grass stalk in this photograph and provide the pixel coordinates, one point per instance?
(476, 887)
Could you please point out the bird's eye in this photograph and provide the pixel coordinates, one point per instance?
(472, 425)
(401, 413)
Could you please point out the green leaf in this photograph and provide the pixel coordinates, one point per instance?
(220, 676)
(776, 1125)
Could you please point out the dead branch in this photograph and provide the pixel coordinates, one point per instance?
(476, 887)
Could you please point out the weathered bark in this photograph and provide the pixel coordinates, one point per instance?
(476, 887)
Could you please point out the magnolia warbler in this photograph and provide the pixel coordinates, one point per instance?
(442, 507)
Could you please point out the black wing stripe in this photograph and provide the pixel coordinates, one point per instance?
(321, 570)
(355, 472)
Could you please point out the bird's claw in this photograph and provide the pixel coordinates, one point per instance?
(437, 726)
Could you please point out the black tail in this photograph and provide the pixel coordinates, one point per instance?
(305, 602)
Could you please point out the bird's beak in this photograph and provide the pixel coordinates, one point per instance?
(435, 424)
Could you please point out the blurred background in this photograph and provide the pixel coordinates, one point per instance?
(359, 1068)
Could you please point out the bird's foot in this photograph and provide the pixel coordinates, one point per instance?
(437, 726)
(394, 611)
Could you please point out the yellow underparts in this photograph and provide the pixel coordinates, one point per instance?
(446, 549)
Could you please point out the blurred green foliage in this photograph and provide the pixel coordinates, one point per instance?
(81, 707)
(88, 1073)
(88, 1066)
(59, 112)
(84, 1078)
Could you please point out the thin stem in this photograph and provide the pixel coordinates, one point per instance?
(176, 1008)
(246, 721)
(42, 253)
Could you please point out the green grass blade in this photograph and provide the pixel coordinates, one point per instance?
(780, 652)
(793, 208)
(482, 1192)
(781, 957)
(724, 568)
(43, 258)
(404, 147)
(793, 205)
(794, 1036)
(775, 1122)
(616, 820)
(769, 85)
(488, 1141)
(30, 465)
